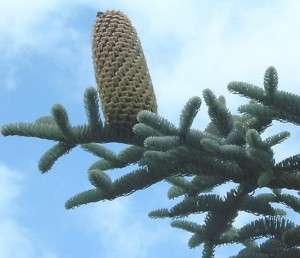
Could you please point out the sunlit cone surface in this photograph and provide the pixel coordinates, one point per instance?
(122, 76)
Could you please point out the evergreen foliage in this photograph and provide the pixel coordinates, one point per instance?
(230, 149)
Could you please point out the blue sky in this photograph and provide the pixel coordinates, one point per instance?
(46, 59)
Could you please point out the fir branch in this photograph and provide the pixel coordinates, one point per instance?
(100, 151)
(228, 152)
(279, 99)
(46, 120)
(265, 178)
(263, 157)
(265, 112)
(212, 129)
(124, 185)
(254, 140)
(285, 180)
(49, 158)
(157, 122)
(197, 239)
(210, 145)
(181, 182)
(187, 116)
(61, 118)
(35, 129)
(58, 128)
(267, 197)
(258, 110)
(265, 227)
(144, 130)
(102, 164)
(219, 220)
(289, 164)
(130, 155)
(256, 206)
(290, 252)
(140, 178)
(228, 236)
(82, 134)
(215, 167)
(205, 183)
(196, 204)
(270, 82)
(218, 113)
(93, 195)
(175, 191)
(158, 158)
(208, 250)
(100, 180)
(291, 237)
(272, 247)
(162, 143)
(246, 90)
(222, 100)
(277, 138)
(237, 134)
(159, 213)
(199, 184)
(290, 200)
(194, 137)
(92, 110)
(187, 225)
(173, 158)
(250, 252)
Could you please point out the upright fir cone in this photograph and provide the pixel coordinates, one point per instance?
(122, 76)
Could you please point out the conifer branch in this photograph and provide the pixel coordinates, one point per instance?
(218, 113)
(36, 129)
(208, 250)
(157, 122)
(144, 130)
(289, 200)
(100, 180)
(288, 113)
(291, 164)
(291, 237)
(270, 82)
(92, 110)
(196, 204)
(62, 121)
(272, 226)
(187, 116)
(196, 239)
(162, 143)
(100, 151)
(48, 159)
(187, 225)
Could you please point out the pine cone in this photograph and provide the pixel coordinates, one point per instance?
(122, 76)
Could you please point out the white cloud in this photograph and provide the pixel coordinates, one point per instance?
(27, 24)
(13, 240)
(122, 223)
(10, 188)
(39, 27)
(16, 240)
